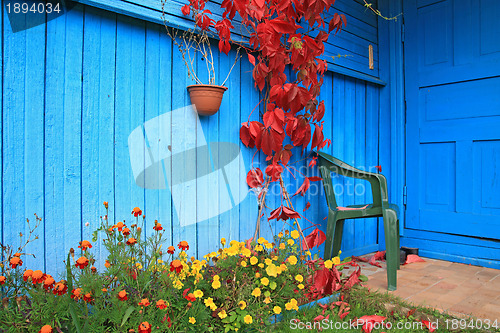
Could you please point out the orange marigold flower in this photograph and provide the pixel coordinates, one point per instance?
(144, 327)
(76, 293)
(93, 269)
(17, 254)
(60, 288)
(48, 283)
(171, 249)
(2, 279)
(183, 246)
(88, 297)
(37, 276)
(176, 265)
(107, 264)
(126, 232)
(190, 297)
(105, 203)
(157, 226)
(131, 241)
(84, 245)
(45, 329)
(137, 211)
(15, 261)
(27, 274)
(82, 262)
(144, 302)
(161, 304)
(104, 290)
(122, 295)
(120, 226)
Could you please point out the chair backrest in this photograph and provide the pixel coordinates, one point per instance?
(328, 164)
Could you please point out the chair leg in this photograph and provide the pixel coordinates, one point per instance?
(333, 230)
(399, 245)
(392, 250)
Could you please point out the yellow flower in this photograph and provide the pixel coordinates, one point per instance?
(268, 261)
(267, 300)
(246, 252)
(248, 319)
(257, 275)
(283, 268)
(292, 260)
(243, 263)
(192, 320)
(242, 305)
(292, 305)
(198, 293)
(256, 292)
(299, 278)
(290, 242)
(216, 277)
(277, 310)
(216, 284)
(223, 241)
(336, 260)
(328, 264)
(282, 246)
(259, 248)
(213, 307)
(261, 240)
(261, 265)
(300, 286)
(254, 260)
(264, 281)
(280, 234)
(272, 270)
(294, 234)
(208, 301)
(222, 314)
(269, 245)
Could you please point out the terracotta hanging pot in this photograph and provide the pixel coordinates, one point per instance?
(207, 98)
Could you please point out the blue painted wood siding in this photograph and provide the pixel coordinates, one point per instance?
(74, 89)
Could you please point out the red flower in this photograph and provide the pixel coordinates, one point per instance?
(37, 277)
(120, 226)
(122, 295)
(60, 288)
(27, 274)
(137, 211)
(183, 246)
(171, 249)
(46, 329)
(144, 302)
(161, 304)
(48, 283)
(131, 241)
(157, 226)
(15, 261)
(76, 293)
(190, 297)
(88, 297)
(176, 266)
(84, 245)
(144, 327)
(126, 232)
(82, 262)
(2, 279)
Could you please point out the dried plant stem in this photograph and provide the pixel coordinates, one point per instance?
(261, 208)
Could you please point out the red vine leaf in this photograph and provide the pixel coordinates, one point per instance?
(255, 178)
(315, 238)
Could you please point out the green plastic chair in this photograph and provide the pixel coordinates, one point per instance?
(380, 208)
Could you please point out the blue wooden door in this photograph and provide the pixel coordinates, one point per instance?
(452, 87)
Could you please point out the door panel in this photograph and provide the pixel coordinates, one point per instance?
(452, 87)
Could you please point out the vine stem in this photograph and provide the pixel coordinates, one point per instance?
(289, 203)
(261, 207)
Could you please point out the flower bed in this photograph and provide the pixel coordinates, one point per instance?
(145, 287)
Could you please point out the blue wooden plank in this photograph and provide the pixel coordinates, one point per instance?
(54, 168)
(360, 186)
(129, 113)
(34, 127)
(71, 134)
(14, 109)
(1, 139)
(249, 98)
(207, 198)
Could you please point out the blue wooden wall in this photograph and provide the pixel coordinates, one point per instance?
(75, 87)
